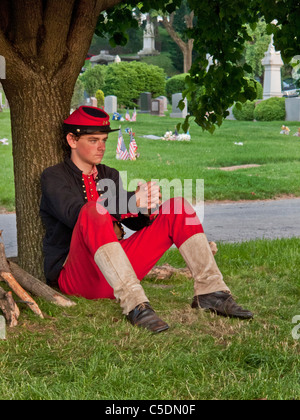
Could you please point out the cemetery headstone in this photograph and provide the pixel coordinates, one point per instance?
(176, 112)
(157, 107)
(94, 102)
(165, 102)
(111, 104)
(145, 102)
(292, 109)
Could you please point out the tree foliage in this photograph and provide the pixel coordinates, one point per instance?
(93, 79)
(221, 31)
(256, 48)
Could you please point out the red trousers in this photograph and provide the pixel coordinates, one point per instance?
(80, 276)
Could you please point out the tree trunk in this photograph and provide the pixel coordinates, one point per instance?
(44, 43)
(186, 47)
(36, 130)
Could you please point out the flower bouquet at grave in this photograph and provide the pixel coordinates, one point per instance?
(285, 130)
(169, 136)
(117, 117)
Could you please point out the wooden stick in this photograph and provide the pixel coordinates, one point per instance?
(166, 271)
(37, 287)
(9, 308)
(21, 293)
(6, 275)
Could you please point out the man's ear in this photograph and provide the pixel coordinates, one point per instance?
(72, 140)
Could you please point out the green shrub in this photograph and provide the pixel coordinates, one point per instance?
(175, 85)
(100, 98)
(246, 113)
(258, 87)
(272, 109)
(128, 80)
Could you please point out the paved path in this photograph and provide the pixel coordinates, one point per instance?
(232, 222)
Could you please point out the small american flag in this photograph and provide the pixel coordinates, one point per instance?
(127, 116)
(132, 147)
(124, 155)
(134, 115)
(119, 144)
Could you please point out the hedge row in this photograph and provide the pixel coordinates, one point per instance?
(125, 80)
(272, 109)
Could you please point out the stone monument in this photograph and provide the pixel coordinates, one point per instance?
(149, 40)
(272, 78)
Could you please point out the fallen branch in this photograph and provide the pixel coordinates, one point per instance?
(9, 308)
(6, 275)
(21, 293)
(165, 271)
(37, 287)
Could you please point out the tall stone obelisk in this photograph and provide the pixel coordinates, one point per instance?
(272, 62)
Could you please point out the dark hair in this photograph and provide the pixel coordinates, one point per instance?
(65, 145)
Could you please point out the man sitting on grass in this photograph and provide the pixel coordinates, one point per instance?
(83, 207)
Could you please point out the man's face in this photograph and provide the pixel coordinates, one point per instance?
(89, 148)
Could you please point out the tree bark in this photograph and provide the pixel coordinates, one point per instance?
(186, 47)
(44, 43)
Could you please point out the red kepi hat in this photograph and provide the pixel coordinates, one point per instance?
(86, 120)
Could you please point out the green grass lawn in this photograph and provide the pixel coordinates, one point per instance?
(278, 155)
(90, 351)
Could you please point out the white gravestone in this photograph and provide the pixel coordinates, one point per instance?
(176, 112)
(292, 109)
(111, 104)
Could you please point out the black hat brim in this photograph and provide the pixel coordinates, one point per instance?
(84, 129)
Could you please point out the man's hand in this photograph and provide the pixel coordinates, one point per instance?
(148, 196)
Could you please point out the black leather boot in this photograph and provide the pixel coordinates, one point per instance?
(144, 316)
(221, 303)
